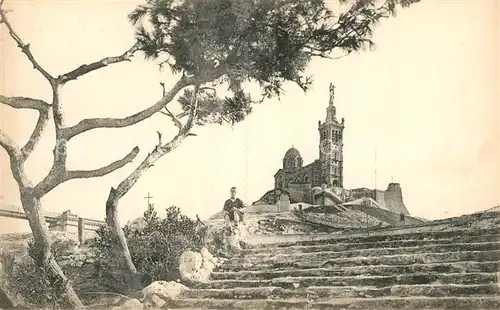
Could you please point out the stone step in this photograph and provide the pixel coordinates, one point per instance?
(377, 281)
(400, 303)
(400, 259)
(322, 292)
(374, 270)
(342, 246)
(386, 236)
(378, 251)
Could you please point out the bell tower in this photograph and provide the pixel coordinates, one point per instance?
(330, 145)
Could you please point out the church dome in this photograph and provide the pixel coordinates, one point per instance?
(292, 152)
(292, 159)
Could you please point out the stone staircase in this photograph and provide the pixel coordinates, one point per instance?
(454, 269)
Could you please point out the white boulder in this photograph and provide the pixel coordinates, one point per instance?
(158, 293)
(190, 266)
(197, 267)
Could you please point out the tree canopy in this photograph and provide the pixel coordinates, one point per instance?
(267, 42)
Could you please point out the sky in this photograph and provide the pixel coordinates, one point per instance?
(425, 101)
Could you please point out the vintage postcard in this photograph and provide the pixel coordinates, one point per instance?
(249, 154)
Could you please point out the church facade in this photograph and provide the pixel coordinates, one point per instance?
(328, 168)
(325, 175)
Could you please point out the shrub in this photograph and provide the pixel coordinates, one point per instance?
(155, 248)
(33, 285)
(28, 282)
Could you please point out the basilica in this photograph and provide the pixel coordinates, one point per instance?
(322, 180)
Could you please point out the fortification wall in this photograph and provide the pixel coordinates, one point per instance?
(393, 198)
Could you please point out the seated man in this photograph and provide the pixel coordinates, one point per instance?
(233, 212)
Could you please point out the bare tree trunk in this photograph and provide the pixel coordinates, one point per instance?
(112, 215)
(40, 251)
(117, 231)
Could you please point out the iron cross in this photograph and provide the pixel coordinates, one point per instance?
(148, 197)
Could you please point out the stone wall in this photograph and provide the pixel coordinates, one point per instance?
(394, 199)
(391, 199)
(300, 192)
(380, 198)
(325, 199)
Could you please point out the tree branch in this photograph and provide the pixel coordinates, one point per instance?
(93, 123)
(158, 152)
(174, 118)
(182, 114)
(60, 153)
(192, 112)
(164, 92)
(10, 146)
(43, 109)
(25, 48)
(16, 160)
(84, 69)
(59, 174)
(183, 129)
(74, 74)
(36, 135)
(24, 103)
(85, 174)
(167, 112)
